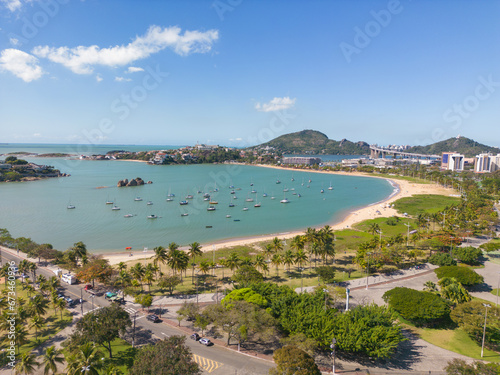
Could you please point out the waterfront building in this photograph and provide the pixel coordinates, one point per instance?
(301, 160)
(486, 163)
(452, 161)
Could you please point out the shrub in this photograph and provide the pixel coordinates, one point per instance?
(442, 259)
(463, 275)
(490, 246)
(245, 294)
(468, 255)
(419, 307)
(392, 220)
(326, 274)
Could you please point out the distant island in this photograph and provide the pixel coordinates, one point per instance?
(14, 169)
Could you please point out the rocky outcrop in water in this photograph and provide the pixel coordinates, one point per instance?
(134, 182)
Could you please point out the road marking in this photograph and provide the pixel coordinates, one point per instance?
(165, 334)
(91, 311)
(130, 310)
(207, 364)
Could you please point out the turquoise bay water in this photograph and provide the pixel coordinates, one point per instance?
(38, 209)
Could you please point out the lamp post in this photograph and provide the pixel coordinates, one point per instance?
(333, 354)
(407, 234)
(498, 286)
(484, 328)
(368, 269)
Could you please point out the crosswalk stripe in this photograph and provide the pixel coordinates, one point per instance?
(207, 364)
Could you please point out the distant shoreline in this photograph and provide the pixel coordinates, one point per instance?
(402, 188)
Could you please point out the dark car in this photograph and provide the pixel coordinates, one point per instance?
(88, 287)
(195, 336)
(205, 341)
(153, 318)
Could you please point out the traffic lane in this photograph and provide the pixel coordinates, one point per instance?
(228, 357)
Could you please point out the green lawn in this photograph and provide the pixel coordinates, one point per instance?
(123, 355)
(457, 341)
(388, 230)
(53, 322)
(424, 203)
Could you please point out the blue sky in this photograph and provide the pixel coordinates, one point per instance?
(241, 72)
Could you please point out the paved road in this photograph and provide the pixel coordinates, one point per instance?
(215, 360)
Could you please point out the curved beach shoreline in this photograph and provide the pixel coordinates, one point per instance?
(402, 188)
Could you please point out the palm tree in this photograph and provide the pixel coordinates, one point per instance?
(374, 228)
(300, 257)
(112, 370)
(37, 322)
(204, 267)
(32, 268)
(178, 260)
(137, 271)
(268, 251)
(50, 360)
(60, 304)
(38, 305)
(277, 244)
(86, 359)
(233, 261)
(80, 250)
(123, 279)
(121, 266)
(26, 364)
(260, 262)
(288, 258)
(160, 256)
(148, 278)
(276, 260)
(194, 250)
(54, 283)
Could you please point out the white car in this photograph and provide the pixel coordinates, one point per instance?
(205, 341)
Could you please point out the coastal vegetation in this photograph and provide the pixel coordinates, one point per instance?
(14, 169)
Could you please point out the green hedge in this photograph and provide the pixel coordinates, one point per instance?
(419, 307)
(463, 275)
(442, 259)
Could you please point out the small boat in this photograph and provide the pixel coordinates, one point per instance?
(257, 205)
(208, 226)
(249, 200)
(109, 202)
(152, 217)
(70, 207)
(293, 179)
(236, 220)
(285, 189)
(184, 214)
(171, 195)
(292, 189)
(238, 188)
(228, 216)
(231, 205)
(298, 195)
(330, 187)
(149, 203)
(231, 186)
(189, 196)
(115, 208)
(322, 191)
(232, 192)
(169, 200)
(284, 201)
(294, 193)
(264, 195)
(128, 215)
(199, 191)
(206, 199)
(245, 208)
(206, 195)
(213, 202)
(183, 203)
(211, 208)
(278, 181)
(235, 197)
(273, 198)
(137, 199)
(253, 191)
(310, 180)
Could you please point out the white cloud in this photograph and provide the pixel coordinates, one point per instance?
(98, 78)
(12, 5)
(133, 69)
(82, 59)
(21, 64)
(276, 104)
(122, 79)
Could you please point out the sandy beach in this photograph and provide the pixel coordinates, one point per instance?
(402, 188)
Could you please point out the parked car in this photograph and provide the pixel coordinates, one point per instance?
(153, 318)
(195, 336)
(109, 295)
(69, 300)
(205, 341)
(88, 287)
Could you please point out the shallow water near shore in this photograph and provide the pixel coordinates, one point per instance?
(38, 209)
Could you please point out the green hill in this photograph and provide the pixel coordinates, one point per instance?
(462, 145)
(315, 142)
